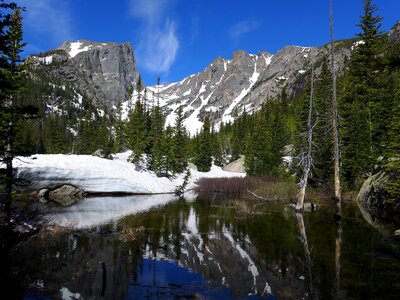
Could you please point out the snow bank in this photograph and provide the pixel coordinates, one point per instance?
(97, 175)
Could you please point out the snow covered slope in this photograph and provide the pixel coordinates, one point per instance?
(226, 87)
(97, 175)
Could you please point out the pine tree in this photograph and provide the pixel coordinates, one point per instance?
(393, 149)
(203, 158)
(119, 127)
(257, 155)
(180, 148)
(136, 132)
(156, 136)
(362, 107)
(168, 153)
(11, 75)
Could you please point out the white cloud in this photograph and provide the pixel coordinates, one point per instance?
(49, 18)
(158, 48)
(243, 27)
(158, 45)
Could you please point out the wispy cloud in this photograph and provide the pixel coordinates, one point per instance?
(240, 29)
(49, 18)
(158, 48)
(158, 45)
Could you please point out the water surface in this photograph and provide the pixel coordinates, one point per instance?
(208, 249)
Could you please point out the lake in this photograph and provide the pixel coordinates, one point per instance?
(161, 247)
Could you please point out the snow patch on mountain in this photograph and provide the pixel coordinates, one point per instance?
(76, 48)
(227, 117)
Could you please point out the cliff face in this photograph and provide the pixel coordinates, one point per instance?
(102, 71)
(394, 34)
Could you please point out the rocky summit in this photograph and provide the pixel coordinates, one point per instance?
(102, 71)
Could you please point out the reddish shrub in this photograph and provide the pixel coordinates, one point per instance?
(233, 185)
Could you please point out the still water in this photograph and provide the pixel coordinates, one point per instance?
(206, 248)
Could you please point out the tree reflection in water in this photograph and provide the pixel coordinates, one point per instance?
(307, 255)
(203, 249)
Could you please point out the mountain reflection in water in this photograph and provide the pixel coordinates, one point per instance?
(202, 249)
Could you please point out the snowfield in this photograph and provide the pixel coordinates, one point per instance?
(98, 175)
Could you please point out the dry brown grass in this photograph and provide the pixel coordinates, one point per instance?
(233, 185)
(264, 188)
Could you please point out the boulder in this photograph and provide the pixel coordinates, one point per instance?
(236, 166)
(66, 195)
(43, 195)
(192, 166)
(373, 196)
(373, 191)
(100, 153)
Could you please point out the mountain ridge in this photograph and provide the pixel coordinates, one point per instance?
(107, 74)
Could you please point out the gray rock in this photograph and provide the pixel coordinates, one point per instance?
(42, 195)
(373, 196)
(103, 71)
(236, 166)
(100, 153)
(373, 190)
(394, 34)
(66, 195)
(397, 232)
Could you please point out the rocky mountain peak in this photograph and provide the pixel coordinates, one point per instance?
(102, 71)
(227, 87)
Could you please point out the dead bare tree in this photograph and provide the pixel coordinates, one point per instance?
(307, 160)
(335, 122)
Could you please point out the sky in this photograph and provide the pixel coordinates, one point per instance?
(176, 38)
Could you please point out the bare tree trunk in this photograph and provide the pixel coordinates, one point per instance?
(335, 121)
(307, 159)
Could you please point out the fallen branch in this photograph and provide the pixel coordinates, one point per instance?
(257, 196)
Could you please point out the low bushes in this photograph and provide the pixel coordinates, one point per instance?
(265, 188)
(233, 185)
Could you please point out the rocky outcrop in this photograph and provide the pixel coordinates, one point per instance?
(236, 166)
(373, 196)
(66, 195)
(102, 71)
(394, 34)
(100, 153)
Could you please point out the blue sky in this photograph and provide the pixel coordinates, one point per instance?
(176, 38)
